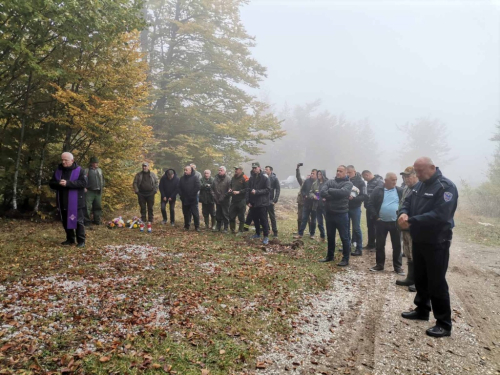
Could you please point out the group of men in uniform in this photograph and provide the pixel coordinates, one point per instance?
(423, 212)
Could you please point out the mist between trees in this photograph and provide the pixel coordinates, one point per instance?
(164, 81)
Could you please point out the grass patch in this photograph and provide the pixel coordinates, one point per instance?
(131, 302)
(477, 229)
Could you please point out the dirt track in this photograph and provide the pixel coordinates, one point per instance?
(356, 326)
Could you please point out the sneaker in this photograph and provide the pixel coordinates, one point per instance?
(197, 229)
(265, 241)
(377, 268)
(312, 237)
(255, 236)
(225, 231)
(164, 222)
(297, 237)
(172, 224)
(343, 263)
(322, 239)
(275, 235)
(353, 244)
(399, 271)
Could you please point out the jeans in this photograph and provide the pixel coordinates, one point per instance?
(355, 219)
(382, 228)
(431, 263)
(171, 206)
(338, 222)
(320, 216)
(307, 212)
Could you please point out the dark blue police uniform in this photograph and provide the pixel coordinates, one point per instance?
(430, 209)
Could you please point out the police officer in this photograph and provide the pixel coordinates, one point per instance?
(428, 214)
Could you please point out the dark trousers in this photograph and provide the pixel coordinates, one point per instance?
(338, 222)
(208, 211)
(171, 206)
(320, 216)
(308, 213)
(370, 223)
(148, 201)
(80, 227)
(431, 263)
(237, 210)
(272, 217)
(259, 215)
(93, 199)
(222, 213)
(382, 228)
(355, 222)
(188, 211)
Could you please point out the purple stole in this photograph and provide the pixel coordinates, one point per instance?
(72, 198)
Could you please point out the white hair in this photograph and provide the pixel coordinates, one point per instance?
(208, 170)
(192, 165)
(391, 174)
(223, 168)
(69, 154)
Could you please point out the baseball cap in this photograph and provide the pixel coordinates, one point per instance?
(256, 164)
(145, 164)
(408, 171)
(238, 167)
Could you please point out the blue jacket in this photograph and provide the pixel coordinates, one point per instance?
(431, 208)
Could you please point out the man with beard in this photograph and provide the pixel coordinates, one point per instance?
(69, 182)
(189, 186)
(335, 193)
(257, 197)
(220, 192)
(207, 200)
(355, 199)
(146, 186)
(238, 207)
(169, 188)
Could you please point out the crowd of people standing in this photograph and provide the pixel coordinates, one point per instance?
(418, 216)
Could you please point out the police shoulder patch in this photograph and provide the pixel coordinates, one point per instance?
(448, 196)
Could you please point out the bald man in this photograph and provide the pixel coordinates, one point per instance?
(428, 214)
(69, 181)
(383, 209)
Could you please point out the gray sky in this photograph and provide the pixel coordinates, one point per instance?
(390, 62)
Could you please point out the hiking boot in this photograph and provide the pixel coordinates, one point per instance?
(377, 268)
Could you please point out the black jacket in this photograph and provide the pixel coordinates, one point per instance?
(239, 184)
(169, 188)
(336, 192)
(304, 191)
(275, 188)
(376, 181)
(189, 186)
(321, 203)
(260, 182)
(362, 196)
(431, 208)
(80, 184)
(206, 190)
(376, 200)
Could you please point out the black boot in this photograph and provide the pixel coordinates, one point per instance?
(410, 278)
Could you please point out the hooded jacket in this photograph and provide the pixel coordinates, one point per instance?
(189, 186)
(358, 181)
(431, 207)
(80, 184)
(262, 186)
(376, 181)
(169, 188)
(275, 188)
(239, 184)
(220, 188)
(206, 190)
(336, 192)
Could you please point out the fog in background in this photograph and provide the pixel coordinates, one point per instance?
(383, 63)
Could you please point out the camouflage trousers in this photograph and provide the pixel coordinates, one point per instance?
(407, 245)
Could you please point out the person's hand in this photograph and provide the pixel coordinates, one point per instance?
(324, 199)
(274, 203)
(253, 191)
(236, 192)
(230, 191)
(249, 205)
(165, 199)
(351, 197)
(403, 221)
(62, 182)
(169, 199)
(298, 166)
(85, 189)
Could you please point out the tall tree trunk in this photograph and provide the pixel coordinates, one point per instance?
(40, 170)
(21, 141)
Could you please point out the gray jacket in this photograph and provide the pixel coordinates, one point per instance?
(138, 180)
